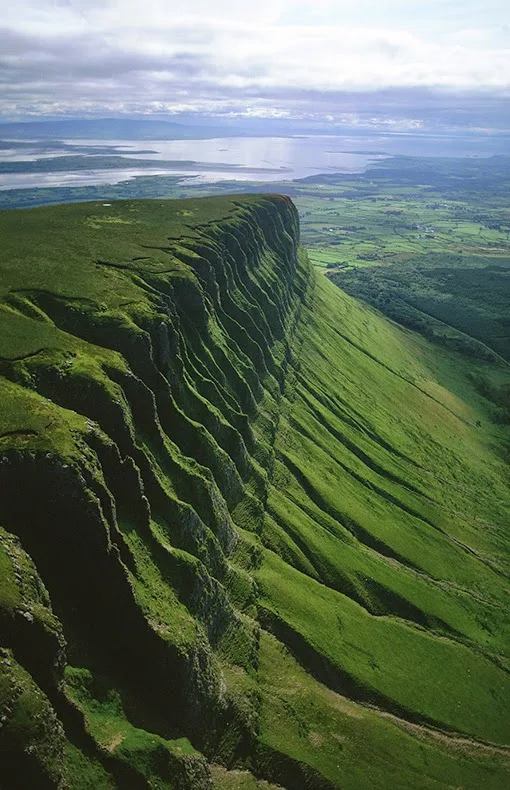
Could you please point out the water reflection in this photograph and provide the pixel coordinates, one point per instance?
(206, 161)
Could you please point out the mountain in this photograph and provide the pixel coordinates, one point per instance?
(106, 129)
(252, 532)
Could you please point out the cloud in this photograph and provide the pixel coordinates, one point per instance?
(275, 57)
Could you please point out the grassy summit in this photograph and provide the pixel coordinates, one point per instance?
(251, 531)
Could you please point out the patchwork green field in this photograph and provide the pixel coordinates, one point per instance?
(253, 534)
(427, 242)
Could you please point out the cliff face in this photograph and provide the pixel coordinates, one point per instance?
(131, 447)
(196, 514)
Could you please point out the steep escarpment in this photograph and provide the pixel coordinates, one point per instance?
(228, 557)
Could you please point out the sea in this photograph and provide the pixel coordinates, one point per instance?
(260, 159)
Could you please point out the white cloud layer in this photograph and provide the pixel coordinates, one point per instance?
(272, 56)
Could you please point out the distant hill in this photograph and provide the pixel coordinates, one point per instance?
(109, 129)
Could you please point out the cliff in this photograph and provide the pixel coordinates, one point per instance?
(230, 552)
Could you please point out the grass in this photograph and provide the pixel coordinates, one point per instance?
(365, 507)
(86, 772)
(29, 727)
(389, 659)
(237, 780)
(134, 236)
(354, 747)
(147, 755)
(251, 451)
(28, 420)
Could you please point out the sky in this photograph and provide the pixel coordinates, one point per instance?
(404, 64)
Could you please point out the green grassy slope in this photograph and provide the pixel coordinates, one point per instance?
(253, 534)
(390, 504)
